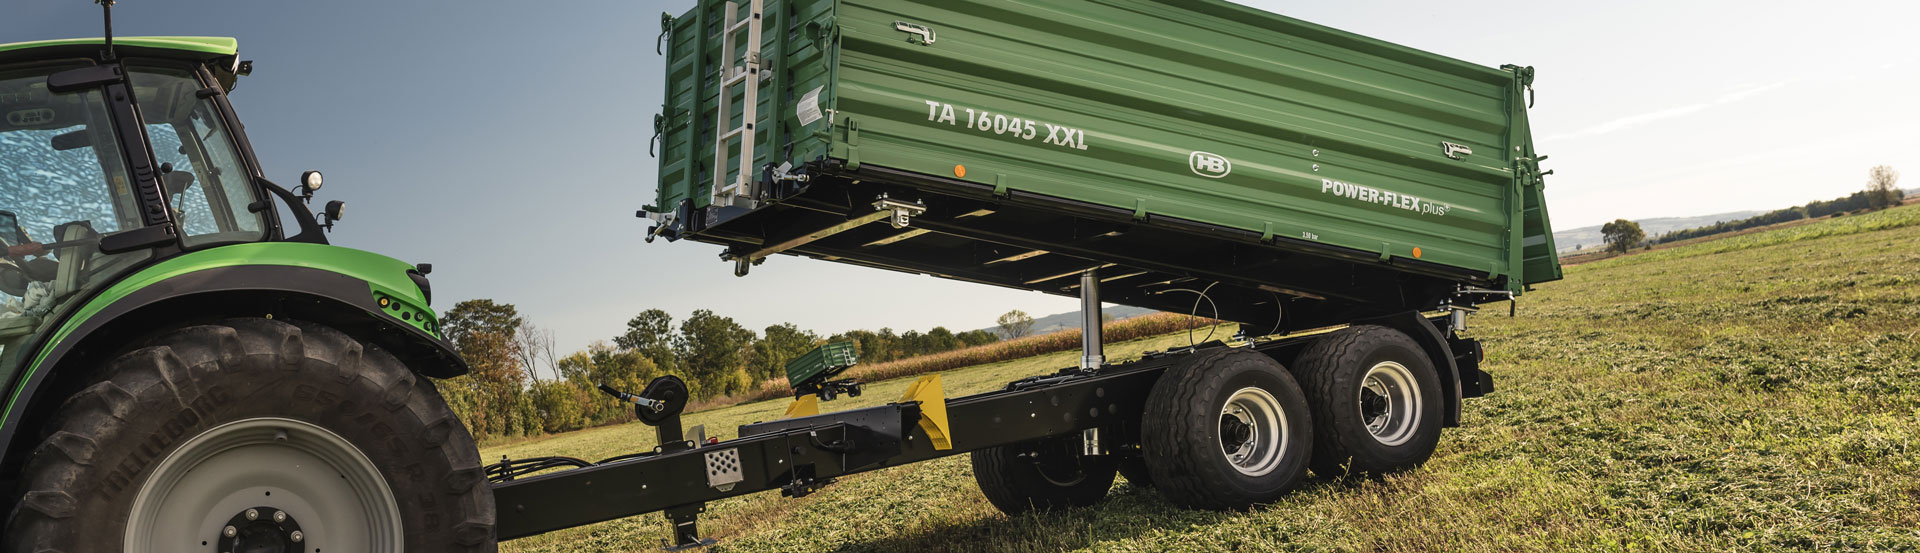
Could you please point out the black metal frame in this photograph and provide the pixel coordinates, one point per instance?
(799, 455)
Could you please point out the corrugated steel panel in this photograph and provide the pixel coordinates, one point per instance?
(1198, 111)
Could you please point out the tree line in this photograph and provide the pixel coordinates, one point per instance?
(1881, 193)
(506, 396)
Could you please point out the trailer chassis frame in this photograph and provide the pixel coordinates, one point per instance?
(800, 455)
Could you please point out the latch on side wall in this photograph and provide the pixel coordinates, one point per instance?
(923, 34)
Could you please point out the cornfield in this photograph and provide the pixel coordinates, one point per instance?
(1019, 348)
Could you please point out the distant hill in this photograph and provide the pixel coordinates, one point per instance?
(1071, 319)
(1589, 237)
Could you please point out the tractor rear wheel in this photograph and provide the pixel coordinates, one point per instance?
(1226, 429)
(1376, 401)
(254, 435)
(1042, 475)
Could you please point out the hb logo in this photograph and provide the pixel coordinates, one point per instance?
(1209, 165)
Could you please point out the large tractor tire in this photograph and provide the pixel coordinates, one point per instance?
(1041, 475)
(1376, 401)
(254, 435)
(1227, 429)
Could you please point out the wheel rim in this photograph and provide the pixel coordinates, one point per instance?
(1253, 431)
(1390, 403)
(337, 496)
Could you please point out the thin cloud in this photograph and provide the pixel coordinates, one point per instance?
(1642, 119)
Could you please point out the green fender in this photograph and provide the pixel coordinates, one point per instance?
(374, 297)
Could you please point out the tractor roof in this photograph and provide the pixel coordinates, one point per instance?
(198, 47)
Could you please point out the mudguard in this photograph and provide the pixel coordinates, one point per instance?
(374, 298)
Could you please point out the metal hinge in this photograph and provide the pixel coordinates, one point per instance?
(903, 212)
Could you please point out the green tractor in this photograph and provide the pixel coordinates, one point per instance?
(184, 368)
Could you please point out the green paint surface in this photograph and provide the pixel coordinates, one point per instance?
(219, 46)
(1204, 111)
(384, 275)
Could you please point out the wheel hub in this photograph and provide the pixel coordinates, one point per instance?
(1253, 431)
(1235, 433)
(1390, 403)
(264, 485)
(1374, 405)
(261, 530)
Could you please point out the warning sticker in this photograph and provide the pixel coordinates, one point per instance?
(809, 109)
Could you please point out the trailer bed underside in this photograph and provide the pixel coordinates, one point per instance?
(1031, 242)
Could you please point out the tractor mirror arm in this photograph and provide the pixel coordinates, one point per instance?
(310, 228)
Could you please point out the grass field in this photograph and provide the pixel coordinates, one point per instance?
(1760, 392)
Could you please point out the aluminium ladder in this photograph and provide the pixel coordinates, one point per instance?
(747, 75)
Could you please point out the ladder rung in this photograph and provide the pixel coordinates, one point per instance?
(739, 74)
(743, 23)
(732, 133)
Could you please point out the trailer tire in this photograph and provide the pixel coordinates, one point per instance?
(243, 425)
(1376, 401)
(1041, 475)
(1228, 395)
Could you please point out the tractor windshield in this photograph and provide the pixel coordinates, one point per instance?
(64, 183)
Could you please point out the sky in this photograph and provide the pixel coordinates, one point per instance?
(506, 142)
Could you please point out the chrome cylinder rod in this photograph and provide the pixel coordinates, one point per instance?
(1091, 354)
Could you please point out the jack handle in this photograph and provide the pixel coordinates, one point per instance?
(653, 404)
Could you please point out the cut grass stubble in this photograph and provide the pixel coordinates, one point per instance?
(1756, 393)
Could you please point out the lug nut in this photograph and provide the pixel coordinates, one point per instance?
(279, 516)
(253, 514)
(230, 531)
(296, 536)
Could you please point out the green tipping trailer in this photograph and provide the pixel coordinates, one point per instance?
(1184, 156)
(1176, 145)
(1187, 155)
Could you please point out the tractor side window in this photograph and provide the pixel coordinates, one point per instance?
(209, 189)
(190, 204)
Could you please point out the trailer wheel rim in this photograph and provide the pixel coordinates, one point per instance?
(336, 493)
(1253, 431)
(1389, 403)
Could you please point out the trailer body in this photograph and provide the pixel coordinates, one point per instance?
(1160, 140)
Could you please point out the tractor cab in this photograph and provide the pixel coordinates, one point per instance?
(112, 160)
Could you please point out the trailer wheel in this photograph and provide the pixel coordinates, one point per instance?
(254, 435)
(1375, 398)
(1227, 429)
(1041, 475)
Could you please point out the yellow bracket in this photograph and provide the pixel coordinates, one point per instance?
(933, 409)
(806, 406)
